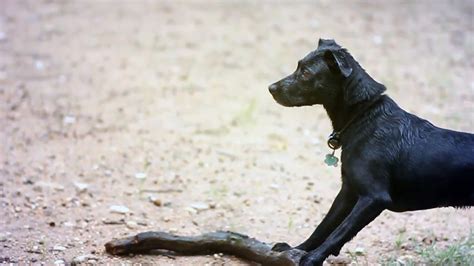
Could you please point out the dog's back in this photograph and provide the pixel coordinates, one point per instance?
(435, 167)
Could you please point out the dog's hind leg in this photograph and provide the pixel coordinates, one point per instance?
(365, 211)
(340, 208)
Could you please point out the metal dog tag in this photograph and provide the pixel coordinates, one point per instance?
(331, 160)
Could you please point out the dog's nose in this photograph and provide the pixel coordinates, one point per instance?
(272, 88)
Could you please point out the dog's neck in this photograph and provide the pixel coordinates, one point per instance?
(340, 112)
(339, 115)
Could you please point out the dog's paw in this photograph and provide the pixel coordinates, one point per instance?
(281, 246)
(311, 259)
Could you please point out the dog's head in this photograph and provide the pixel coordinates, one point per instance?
(321, 77)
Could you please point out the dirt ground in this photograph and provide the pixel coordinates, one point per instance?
(124, 103)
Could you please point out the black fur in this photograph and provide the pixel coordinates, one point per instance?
(391, 159)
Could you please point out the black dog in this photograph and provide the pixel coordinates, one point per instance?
(391, 159)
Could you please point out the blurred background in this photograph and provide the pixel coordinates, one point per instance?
(125, 116)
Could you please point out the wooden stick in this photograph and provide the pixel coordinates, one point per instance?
(226, 242)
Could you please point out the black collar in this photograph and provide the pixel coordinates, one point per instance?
(334, 140)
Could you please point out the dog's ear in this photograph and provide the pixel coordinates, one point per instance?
(337, 63)
(366, 89)
(326, 42)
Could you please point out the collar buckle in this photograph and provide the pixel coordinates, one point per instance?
(334, 140)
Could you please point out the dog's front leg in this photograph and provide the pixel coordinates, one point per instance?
(365, 210)
(340, 208)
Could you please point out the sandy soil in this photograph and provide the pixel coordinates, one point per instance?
(95, 93)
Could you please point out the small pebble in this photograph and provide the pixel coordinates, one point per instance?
(339, 260)
(359, 251)
(60, 262)
(69, 119)
(69, 224)
(87, 258)
(131, 224)
(191, 210)
(200, 206)
(81, 187)
(140, 175)
(35, 249)
(39, 65)
(59, 248)
(377, 39)
(157, 202)
(119, 209)
(275, 186)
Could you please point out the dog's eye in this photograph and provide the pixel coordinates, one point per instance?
(305, 74)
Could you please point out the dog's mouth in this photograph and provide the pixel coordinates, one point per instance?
(283, 99)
